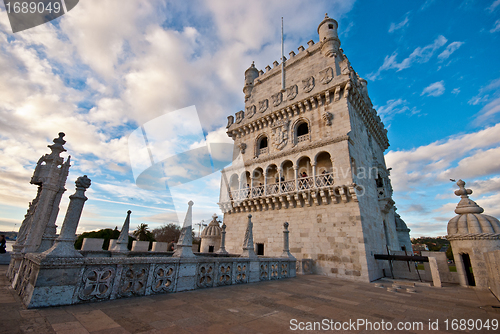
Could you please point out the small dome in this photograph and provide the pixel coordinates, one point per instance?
(213, 229)
(400, 224)
(473, 223)
(470, 219)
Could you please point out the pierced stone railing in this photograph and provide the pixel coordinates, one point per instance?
(303, 138)
(258, 191)
(305, 183)
(272, 189)
(324, 180)
(287, 186)
(263, 150)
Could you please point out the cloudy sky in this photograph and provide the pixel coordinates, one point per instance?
(109, 67)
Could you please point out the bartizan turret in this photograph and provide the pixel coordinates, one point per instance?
(250, 75)
(327, 31)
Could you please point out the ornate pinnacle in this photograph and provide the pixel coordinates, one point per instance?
(462, 192)
(57, 147)
(82, 182)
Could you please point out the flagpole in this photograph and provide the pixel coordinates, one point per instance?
(282, 58)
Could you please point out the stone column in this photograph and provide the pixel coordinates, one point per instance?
(296, 173)
(222, 249)
(286, 247)
(184, 246)
(314, 174)
(248, 250)
(280, 173)
(121, 245)
(265, 184)
(64, 244)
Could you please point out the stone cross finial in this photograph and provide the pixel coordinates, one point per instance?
(122, 242)
(326, 15)
(462, 192)
(57, 147)
(466, 205)
(222, 249)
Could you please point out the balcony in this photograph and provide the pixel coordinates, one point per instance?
(263, 150)
(302, 138)
(283, 188)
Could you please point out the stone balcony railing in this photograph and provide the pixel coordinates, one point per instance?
(303, 191)
(263, 150)
(303, 138)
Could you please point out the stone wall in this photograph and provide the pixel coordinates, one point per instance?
(493, 267)
(63, 281)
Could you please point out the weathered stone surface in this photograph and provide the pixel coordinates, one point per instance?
(92, 244)
(140, 246)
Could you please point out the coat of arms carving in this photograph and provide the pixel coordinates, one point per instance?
(326, 75)
(291, 92)
(280, 134)
(250, 111)
(308, 84)
(277, 99)
(263, 105)
(239, 116)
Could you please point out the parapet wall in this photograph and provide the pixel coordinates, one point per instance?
(45, 282)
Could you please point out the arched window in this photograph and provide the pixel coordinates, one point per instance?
(263, 143)
(302, 129)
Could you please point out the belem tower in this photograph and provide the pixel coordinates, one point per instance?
(309, 149)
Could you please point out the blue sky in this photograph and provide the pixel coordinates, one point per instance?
(108, 67)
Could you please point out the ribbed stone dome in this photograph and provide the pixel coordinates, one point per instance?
(470, 220)
(213, 229)
(400, 224)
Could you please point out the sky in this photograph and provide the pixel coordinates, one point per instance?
(109, 72)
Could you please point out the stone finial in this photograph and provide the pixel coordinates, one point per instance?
(466, 205)
(64, 244)
(185, 243)
(222, 249)
(248, 250)
(286, 243)
(122, 242)
(57, 147)
(326, 15)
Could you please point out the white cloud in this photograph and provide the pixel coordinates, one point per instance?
(419, 55)
(394, 107)
(435, 89)
(452, 47)
(400, 25)
(496, 27)
(455, 91)
(493, 6)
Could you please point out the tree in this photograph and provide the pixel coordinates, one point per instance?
(105, 234)
(449, 254)
(143, 233)
(167, 233)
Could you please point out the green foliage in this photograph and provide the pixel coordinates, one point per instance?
(143, 233)
(105, 234)
(434, 244)
(167, 233)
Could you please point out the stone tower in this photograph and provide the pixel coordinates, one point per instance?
(211, 237)
(312, 154)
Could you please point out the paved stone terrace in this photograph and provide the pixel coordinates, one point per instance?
(265, 307)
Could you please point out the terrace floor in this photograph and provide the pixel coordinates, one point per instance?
(264, 307)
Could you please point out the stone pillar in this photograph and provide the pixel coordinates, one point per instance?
(296, 173)
(280, 173)
(265, 184)
(184, 246)
(286, 247)
(436, 278)
(64, 244)
(121, 245)
(314, 174)
(248, 250)
(222, 249)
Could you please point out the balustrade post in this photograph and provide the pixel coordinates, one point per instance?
(314, 174)
(296, 172)
(265, 184)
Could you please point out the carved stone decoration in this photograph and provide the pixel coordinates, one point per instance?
(133, 280)
(250, 111)
(280, 134)
(241, 273)
(326, 75)
(327, 117)
(263, 105)
(230, 121)
(277, 99)
(291, 92)
(264, 271)
(205, 277)
(164, 278)
(308, 84)
(224, 274)
(242, 147)
(239, 116)
(25, 272)
(283, 269)
(274, 270)
(96, 283)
